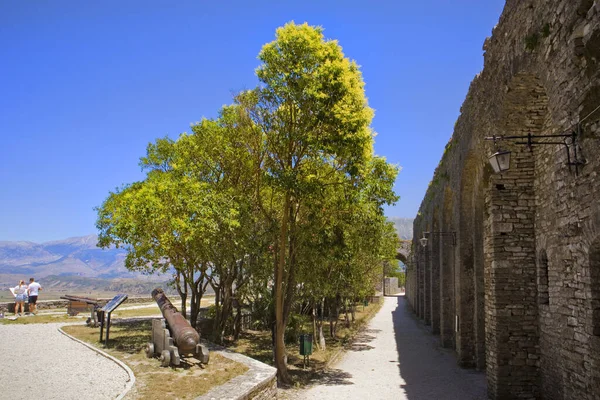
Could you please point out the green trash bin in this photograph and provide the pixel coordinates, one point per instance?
(306, 344)
(365, 302)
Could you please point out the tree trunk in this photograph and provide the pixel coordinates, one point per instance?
(314, 321)
(237, 325)
(225, 313)
(193, 308)
(182, 293)
(197, 290)
(331, 319)
(334, 316)
(280, 362)
(322, 343)
(346, 314)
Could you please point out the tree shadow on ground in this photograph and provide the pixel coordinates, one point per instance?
(361, 339)
(430, 371)
(128, 336)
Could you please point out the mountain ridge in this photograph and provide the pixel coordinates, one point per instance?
(404, 227)
(72, 256)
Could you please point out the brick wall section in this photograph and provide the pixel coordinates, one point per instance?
(513, 358)
(541, 75)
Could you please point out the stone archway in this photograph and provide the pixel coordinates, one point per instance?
(434, 266)
(594, 311)
(404, 251)
(470, 340)
(447, 278)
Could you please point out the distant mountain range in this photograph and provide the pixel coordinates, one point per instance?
(404, 227)
(76, 256)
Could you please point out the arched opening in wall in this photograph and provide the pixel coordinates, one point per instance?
(466, 321)
(426, 257)
(419, 285)
(593, 328)
(542, 278)
(401, 257)
(595, 286)
(434, 265)
(447, 281)
(479, 215)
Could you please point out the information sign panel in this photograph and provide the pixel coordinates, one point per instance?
(114, 303)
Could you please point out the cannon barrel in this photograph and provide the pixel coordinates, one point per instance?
(185, 337)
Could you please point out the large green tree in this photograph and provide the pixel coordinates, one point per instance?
(314, 118)
(284, 179)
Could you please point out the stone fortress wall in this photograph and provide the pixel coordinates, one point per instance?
(518, 295)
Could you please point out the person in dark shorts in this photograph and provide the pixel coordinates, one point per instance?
(33, 291)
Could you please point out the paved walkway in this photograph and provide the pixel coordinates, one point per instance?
(38, 362)
(396, 358)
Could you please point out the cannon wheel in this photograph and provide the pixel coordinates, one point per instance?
(149, 350)
(165, 358)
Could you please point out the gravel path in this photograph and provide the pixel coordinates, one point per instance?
(396, 358)
(39, 361)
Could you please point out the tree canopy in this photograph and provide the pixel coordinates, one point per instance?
(278, 198)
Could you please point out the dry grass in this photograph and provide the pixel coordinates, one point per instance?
(150, 310)
(40, 319)
(257, 345)
(187, 381)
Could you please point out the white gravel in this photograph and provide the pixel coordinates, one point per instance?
(396, 358)
(37, 361)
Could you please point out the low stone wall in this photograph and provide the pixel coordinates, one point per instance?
(258, 383)
(54, 304)
(391, 286)
(375, 299)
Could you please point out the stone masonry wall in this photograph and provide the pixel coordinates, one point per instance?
(524, 275)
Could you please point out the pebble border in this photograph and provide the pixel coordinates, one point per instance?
(120, 363)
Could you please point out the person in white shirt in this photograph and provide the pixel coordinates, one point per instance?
(33, 291)
(20, 292)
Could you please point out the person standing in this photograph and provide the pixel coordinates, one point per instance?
(33, 291)
(20, 293)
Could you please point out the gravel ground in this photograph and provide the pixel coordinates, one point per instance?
(396, 358)
(39, 362)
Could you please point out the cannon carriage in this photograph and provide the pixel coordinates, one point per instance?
(172, 336)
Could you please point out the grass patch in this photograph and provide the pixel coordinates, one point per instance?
(257, 345)
(151, 309)
(188, 381)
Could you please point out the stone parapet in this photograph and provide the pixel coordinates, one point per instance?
(56, 304)
(259, 382)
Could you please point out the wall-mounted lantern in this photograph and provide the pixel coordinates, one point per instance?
(500, 161)
(424, 239)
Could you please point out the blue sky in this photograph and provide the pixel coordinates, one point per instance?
(86, 85)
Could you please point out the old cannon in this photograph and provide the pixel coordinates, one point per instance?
(79, 304)
(173, 336)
